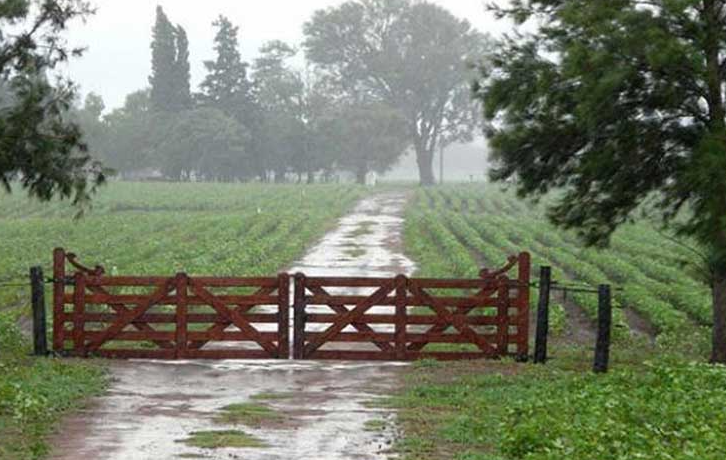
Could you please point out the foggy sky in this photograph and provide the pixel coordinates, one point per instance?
(118, 59)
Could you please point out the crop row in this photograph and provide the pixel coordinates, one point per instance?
(490, 223)
(250, 230)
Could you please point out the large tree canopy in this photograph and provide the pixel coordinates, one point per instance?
(205, 144)
(39, 144)
(410, 55)
(616, 102)
(131, 134)
(365, 138)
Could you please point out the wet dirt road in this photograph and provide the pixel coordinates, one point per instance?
(152, 406)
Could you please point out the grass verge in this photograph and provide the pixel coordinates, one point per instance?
(36, 392)
(669, 408)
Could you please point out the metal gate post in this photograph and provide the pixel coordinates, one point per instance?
(299, 321)
(37, 289)
(543, 312)
(182, 327)
(283, 319)
(604, 325)
(401, 316)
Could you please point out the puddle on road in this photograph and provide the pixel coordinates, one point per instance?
(152, 406)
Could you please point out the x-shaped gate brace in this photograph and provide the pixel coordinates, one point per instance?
(493, 290)
(180, 285)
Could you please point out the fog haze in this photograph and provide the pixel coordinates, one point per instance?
(118, 59)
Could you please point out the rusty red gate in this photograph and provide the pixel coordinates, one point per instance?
(408, 318)
(184, 317)
(179, 317)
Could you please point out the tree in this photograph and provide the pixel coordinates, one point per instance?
(132, 134)
(40, 146)
(182, 74)
(90, 119)
(226, 86)
(365, 138)
(410, 55)
(618, 102)
(205, 144)
(170, 74)
(281, 98)
(163, 61)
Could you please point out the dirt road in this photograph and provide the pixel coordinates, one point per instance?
(320, 410)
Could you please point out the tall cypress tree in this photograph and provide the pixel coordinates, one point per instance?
(182, 71)
(163, 63)
(226, 86)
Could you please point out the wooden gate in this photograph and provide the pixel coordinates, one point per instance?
(183, 317)
(406, 319)
(178, 317)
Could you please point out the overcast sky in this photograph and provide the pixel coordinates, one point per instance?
(118, 36)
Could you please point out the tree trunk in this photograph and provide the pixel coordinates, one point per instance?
(718, 353)
(360, 177)
(712, 11)
(425, 161)
(311, 177)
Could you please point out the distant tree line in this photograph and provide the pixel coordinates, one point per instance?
(381, 77)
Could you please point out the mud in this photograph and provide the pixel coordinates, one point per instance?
(151, 406)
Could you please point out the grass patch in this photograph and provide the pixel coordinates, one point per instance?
(249, 414)
(506, 411)
(36, 392)
(379, 403)
(364, 228)
(375, 425)
(355, 252)
(222, 439)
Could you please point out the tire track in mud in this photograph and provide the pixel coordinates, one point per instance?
(151, 406)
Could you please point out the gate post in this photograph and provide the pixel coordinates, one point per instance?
(283, 325)
(503, 302)
(604, 324)
(79, 310)
(182, 343)
(59, 289)
(40, 340)
(543, 312)
(299, 321)
(524, 278)
(401, 316)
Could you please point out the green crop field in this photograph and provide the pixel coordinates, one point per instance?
(161, 229)
(138, 229)
(656, 403)
(457, 230)
(484, 411)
